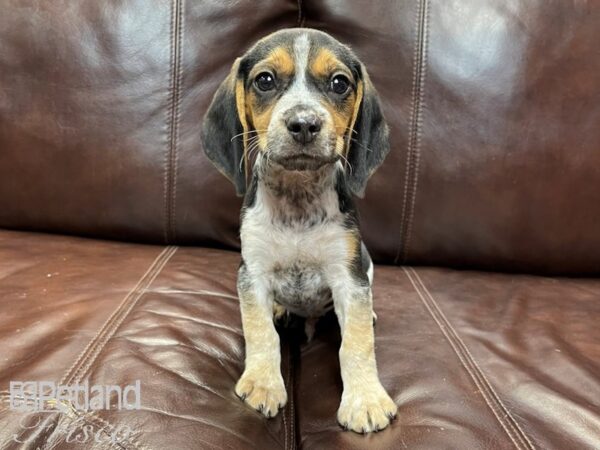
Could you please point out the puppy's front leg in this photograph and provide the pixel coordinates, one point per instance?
(365, 405)
(261, 385)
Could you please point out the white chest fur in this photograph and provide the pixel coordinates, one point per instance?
(295, 256)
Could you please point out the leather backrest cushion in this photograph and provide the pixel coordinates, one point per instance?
(494, 110)
(100, 112)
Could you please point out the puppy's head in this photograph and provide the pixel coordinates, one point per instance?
(302, 99)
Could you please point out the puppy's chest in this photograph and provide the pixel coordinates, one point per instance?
(292, 255)
(300, 288)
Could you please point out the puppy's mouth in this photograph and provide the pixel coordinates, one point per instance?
(303, 161)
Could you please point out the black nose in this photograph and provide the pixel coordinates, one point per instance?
(304, 126)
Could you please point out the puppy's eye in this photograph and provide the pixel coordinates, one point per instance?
(339, 84)
(265, 81)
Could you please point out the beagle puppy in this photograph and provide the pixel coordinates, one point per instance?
(298, 129)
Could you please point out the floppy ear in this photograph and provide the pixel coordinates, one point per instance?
(368, 143)
(224, 130)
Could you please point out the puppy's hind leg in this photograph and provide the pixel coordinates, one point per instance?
(261, 385)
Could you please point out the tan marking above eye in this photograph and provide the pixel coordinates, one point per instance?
(324, 64)
(279, 60)
(282, 62)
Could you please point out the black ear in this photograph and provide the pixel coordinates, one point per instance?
(368, 143)
(224, 130)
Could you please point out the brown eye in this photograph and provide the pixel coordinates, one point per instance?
(265, 81)
(339, 84)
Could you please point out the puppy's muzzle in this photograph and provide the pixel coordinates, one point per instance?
(306, 145)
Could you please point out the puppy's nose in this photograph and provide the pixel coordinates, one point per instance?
(304, 126)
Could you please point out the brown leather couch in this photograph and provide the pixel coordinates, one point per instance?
(118, 255)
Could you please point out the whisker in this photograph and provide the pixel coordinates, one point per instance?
(347, 163)
(246, 133)
(347, 129)
(254, 146)
(253, 151)
(361, 145)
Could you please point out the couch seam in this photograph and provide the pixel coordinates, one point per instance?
(285, 433)
(137, 294)
(173, 115)
(287, 409)
(99, 341)
(300, 14)
(292, 410)
(415, 124)
(130, 299)
(510, 426)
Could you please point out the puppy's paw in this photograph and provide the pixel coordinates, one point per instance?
(366, 409)
(264, 393)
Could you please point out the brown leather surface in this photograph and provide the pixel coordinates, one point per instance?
(59, 283)
(495, 164)
(83, 139)
(104, 112)
(114, 313)
(493, 111)
(474, 360)
(508, 156)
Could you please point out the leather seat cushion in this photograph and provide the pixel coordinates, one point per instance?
(473, 359)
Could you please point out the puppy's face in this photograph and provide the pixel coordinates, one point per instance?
(303, 100)
(301, 96)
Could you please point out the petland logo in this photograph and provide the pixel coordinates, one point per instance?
(47, 396)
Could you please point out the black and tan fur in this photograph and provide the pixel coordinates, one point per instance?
(297, 127)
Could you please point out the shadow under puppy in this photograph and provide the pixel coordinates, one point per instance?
(301, 105)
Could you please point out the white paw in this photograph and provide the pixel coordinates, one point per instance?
(264, 393)
(366, 409)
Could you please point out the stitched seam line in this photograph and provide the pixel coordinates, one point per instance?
(134, 297)
(414, 136)
(300, 14)
(461, 358)
(285, 429)
(120, 312)
(93, 349)
(168, 121)
(510, 425)
(510, 417)
(291, 397)
(171, 158)
(83, 370)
